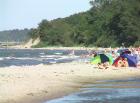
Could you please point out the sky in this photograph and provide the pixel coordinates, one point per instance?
(20, 14)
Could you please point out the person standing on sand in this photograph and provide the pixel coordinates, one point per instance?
(114, 55)
(72, 52)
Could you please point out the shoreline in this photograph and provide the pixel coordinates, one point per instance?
(37, 84)
(55, 48)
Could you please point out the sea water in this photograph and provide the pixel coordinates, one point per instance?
(111, 91)
(21, 57)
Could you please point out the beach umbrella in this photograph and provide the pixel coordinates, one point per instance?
(101, 58)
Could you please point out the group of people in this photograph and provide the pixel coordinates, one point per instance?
(115, 53)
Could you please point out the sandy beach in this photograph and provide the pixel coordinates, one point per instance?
(36, 84)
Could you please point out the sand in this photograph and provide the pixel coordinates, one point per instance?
(36, 84)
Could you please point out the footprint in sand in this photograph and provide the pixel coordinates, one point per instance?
(44, 91)
(31, 94)
(72, 71)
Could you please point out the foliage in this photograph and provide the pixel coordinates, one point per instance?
(107, 23)
(14, 35)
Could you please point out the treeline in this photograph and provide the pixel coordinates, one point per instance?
(14, 35)
(107, 23)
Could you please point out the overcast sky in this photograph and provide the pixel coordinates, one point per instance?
(19, 14)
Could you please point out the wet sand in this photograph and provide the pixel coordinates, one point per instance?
(36, 84)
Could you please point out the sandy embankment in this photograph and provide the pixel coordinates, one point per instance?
(33, 42)
(28, 45)
(36, 84)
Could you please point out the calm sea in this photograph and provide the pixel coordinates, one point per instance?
(20, 57)
(111, 91)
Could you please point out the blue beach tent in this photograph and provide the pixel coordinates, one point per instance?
(132, 60)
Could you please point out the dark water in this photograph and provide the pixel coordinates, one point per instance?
(19, 57)
(113, 91)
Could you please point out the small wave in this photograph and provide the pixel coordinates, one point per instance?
(9, 58)
(42, 53)
(52, 62)
(48, 56)
(1, 58)
(13, 66)
(65, 57)
(20, 58)
(43, 56)
(58, 53)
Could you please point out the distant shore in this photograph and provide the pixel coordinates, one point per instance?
(62, 48)
(36, 84)
(49, 47)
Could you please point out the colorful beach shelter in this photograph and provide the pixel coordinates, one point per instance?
(124, 60)
(124, 51)
(132, 60)
(101, 58)
(120, 62)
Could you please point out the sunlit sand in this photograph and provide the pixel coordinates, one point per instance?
(36, 84)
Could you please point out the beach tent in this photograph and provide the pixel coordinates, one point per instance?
(124, 60)
(120, 62)
(132, 60)
(124, 51)
(101, 58)
(111, 59)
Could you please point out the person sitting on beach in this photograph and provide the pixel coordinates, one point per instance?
(104, 65)
(114, 55)
(93, 54)
(122, 62)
